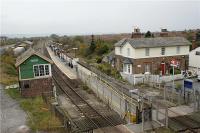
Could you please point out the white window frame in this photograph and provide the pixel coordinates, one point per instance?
(127, 68)
(45, 75)
(147, 51)
(162, 50)
(147, 68)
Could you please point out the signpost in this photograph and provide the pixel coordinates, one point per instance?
(188, 83)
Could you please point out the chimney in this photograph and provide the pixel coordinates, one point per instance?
(136, 33)
(164, 33)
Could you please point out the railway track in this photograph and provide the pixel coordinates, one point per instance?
(92, 118)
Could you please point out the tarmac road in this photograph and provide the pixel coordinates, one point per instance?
(12, 116)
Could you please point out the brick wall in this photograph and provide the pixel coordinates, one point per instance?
(35, 87)
(154, 63)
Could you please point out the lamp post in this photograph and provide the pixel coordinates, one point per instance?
(75, 51)
(184, 57)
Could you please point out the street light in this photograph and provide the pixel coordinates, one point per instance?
(185, 74)
(75, 51)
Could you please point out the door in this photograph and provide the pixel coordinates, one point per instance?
(163, 68)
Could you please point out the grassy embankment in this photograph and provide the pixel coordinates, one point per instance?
(39, 116)
(7, 69)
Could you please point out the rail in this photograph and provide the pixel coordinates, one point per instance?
(73, 97)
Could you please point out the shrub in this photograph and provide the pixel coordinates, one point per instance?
(176, 71)
(98, 59)
(39, 118)
(102, 49)
(13, 93)
(109, 70)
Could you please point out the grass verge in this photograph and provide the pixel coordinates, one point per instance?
(8, 72)
(39, 117)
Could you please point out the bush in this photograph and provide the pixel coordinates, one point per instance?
(102, 49)
(98, 59)
(40, 118)
(176, 71)
(109, 70)
(10, 69)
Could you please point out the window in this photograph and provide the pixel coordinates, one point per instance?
(46, 69)
(197, 52)
(147, 68)
(124, 67)
(36, 71)
(147, 51)
(129, 68)
(178, 50)
(41, 70)
(128, 51)
(26, 86)
(163, 51)
(120, 50)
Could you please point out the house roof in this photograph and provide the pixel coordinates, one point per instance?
(29, 53)
(110, 56)
(153, 42)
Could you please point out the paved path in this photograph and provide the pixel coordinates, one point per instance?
(12, 116)
(61, 65)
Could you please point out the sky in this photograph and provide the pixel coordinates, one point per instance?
(78, 17)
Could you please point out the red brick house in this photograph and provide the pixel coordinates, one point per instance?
(151, 55)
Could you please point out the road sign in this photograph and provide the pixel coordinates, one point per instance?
(188, 83)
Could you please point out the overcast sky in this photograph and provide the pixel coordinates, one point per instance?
(96, 16)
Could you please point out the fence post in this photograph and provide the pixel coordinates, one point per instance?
(166, 116)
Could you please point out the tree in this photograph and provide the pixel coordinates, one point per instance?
(148, 34)
(198, 36)
(92, 45)
(79, 39)
(101, 49)
(54, 37)
(82, 49)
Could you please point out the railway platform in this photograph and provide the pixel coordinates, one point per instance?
(62, 65)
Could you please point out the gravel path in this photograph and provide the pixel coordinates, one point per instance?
(12, 116)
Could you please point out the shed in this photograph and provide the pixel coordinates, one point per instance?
(34, 70)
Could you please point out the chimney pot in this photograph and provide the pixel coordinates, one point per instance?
(136, 33)
(164, 32)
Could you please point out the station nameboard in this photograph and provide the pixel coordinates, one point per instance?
(188, 83)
